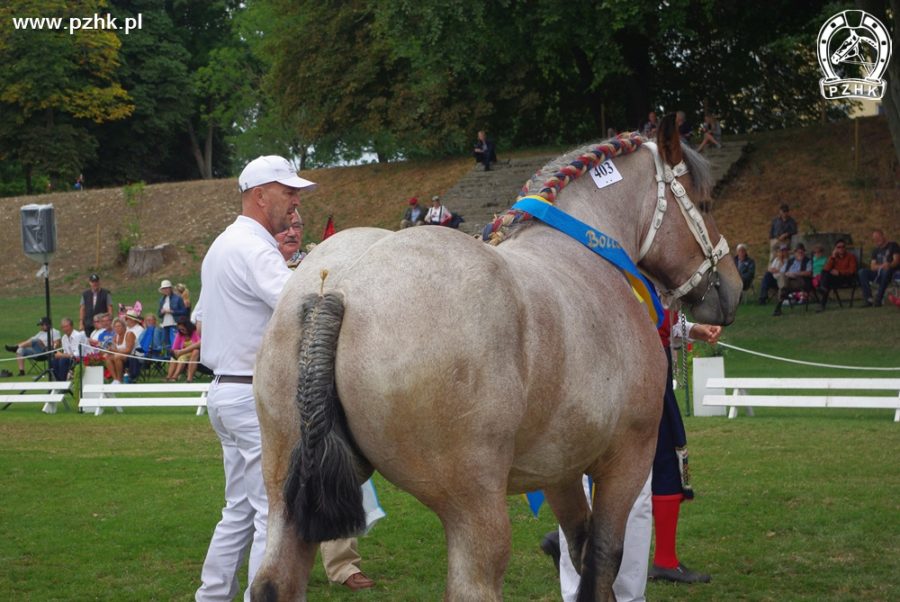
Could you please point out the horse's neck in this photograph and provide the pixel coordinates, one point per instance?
(621, 210)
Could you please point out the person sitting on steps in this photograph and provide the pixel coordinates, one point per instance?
(485, 151)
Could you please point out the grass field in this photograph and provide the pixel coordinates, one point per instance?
(791, 504)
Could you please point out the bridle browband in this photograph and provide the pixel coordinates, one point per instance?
(666, 175)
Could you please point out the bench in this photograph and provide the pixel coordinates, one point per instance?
(49, 393)
(821, 397)
(95, 397)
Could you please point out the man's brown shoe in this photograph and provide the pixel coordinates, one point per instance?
(358, 581)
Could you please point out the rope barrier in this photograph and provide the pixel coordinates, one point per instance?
(803, 362)
(97, 350)
(28, 357)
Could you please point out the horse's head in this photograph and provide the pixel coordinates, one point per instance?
(683, 249)
(848, 48)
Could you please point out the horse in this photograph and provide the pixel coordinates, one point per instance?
(535, 364)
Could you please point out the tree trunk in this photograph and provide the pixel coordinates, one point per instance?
(144, 260)
(198, 154)
(891, 100)
(208, 174)
(29, 186)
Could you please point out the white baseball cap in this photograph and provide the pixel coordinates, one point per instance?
(271, 168)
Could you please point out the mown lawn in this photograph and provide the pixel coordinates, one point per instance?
(791, 504)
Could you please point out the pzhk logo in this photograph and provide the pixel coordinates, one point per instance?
(853, 42)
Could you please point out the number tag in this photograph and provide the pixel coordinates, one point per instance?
(605, 174)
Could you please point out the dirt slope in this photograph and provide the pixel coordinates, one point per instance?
(812, 169)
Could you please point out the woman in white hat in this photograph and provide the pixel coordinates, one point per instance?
(171, 307)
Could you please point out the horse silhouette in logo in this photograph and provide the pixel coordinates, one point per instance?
(849, 51)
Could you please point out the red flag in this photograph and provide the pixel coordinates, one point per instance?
(329, 228)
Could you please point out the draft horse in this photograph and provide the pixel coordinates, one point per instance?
(465, 372)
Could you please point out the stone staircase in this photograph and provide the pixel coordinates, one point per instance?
(481, 195)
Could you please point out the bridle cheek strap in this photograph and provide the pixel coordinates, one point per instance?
(667, 175)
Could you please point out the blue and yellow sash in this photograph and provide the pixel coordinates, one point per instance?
(601, 244)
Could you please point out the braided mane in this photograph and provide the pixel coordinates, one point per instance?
(564, 169)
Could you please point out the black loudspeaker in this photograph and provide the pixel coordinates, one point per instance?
(38, 232)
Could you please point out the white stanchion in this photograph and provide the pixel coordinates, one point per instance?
(705, 368)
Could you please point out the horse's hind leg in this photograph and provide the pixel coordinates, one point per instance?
(573, 513)
(287, 564)
(478, 540)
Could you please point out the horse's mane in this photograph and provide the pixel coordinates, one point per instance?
(698, 167)
(546, 182)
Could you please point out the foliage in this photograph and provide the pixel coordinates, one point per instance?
(52, 85)
(154, 72)
(133, 195)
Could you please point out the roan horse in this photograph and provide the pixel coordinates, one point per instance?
(534, 363)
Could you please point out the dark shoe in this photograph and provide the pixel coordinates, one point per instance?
(550, 546)
(5, 373)
(21, 373)
(680, 574)
(358, 581)
(868, 303)
(12, 348)
(762, 301)
(777, 311)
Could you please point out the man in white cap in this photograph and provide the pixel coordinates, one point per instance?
(242, 276)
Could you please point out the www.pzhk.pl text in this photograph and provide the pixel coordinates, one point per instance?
(93, 23)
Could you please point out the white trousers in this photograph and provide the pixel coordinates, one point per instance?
(631, 582)
(232, 412)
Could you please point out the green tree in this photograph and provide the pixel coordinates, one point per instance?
(51, 86)
(154, 72)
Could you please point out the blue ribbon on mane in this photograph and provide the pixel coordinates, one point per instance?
(598, 242)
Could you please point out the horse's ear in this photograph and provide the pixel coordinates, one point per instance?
(668, 140)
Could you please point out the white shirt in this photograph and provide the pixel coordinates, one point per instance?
(42, 336)
(71, 344)
(138, 331)
(241, 278)
(437, 215)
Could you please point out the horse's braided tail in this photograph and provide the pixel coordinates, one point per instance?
(321, 492)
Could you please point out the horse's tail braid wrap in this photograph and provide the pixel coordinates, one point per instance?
(322, 494)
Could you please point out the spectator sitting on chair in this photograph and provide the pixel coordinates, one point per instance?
(35, 344)
(839, 271)
(818, 264)
(171, 307)
(185, 351)
(438, 215)
(123, 343)
(797, 276)
(885, 261)
(484, 151)
(95, 300)
(782, 229)
(70, 350)
(414, 214)
(101, 337)
(771, 279)
(745, 265)
(134, 323)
